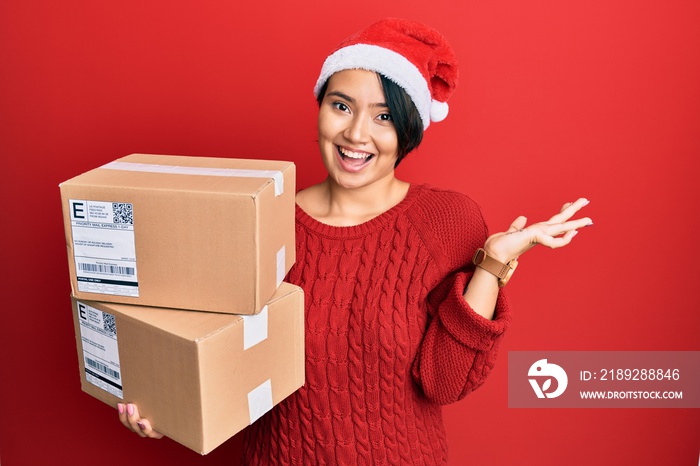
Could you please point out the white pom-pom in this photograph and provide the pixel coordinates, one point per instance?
(438, 110)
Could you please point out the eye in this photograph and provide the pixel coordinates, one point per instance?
(385, 117)
(341, 106)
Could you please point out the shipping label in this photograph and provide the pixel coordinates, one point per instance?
(98, 333)
(103, 247)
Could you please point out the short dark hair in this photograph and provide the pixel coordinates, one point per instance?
(404, 114)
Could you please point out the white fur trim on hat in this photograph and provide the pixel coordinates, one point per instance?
(388, 63)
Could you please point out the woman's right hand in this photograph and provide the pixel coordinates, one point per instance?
(129, 416)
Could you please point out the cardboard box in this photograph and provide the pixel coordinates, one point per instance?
(196, 233)
(199, 377)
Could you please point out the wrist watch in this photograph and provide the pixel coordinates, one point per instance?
(495, 267)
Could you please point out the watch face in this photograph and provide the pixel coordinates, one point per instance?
(508, 275)
(479, 256)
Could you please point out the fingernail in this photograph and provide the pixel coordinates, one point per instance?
(120, 407)
(141, 425)
(589, 225)
(586, 202)
(130, 409)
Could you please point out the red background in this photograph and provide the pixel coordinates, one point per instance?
(556, 100)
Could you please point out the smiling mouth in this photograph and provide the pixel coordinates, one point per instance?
(356, 158)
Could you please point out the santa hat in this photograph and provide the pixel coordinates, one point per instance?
(411, 54)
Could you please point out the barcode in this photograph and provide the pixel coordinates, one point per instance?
(123, 213)
(112, 269)
(109, 323)
(102, 368)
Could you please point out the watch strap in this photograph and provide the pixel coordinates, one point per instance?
(493, 266)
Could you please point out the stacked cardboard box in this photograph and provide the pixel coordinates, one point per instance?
(194, 233)
(176, 266)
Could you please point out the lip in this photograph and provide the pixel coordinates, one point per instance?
(352, 168)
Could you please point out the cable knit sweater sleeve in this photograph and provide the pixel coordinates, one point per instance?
(460, 346)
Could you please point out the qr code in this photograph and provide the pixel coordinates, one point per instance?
(123, 213)
(108, 323)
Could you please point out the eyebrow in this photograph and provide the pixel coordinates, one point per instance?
(353, 101)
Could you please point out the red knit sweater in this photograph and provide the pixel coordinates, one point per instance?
(389, 337)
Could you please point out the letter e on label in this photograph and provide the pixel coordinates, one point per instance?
(82, 312)
(77, 209)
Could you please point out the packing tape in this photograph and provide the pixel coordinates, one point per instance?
(260, 400)
(276, 175)
(254, 329)
(280, 265)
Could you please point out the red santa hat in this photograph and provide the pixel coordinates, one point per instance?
(411, 54)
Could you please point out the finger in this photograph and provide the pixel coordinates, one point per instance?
(517, 225)
(121, 408)
(133, 418)
(145, 426)
(569, 210)
(140, 425)
(558, 242)
(562, 228)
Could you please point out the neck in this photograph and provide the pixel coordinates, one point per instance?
(352, 206)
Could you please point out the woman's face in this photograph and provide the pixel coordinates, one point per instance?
(356, 134)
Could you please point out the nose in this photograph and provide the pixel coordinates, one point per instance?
(357, 131)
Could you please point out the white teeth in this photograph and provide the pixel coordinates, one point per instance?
(353, 155)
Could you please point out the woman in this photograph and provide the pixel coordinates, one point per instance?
(399, 319)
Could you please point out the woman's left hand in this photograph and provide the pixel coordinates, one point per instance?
(553, 233)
